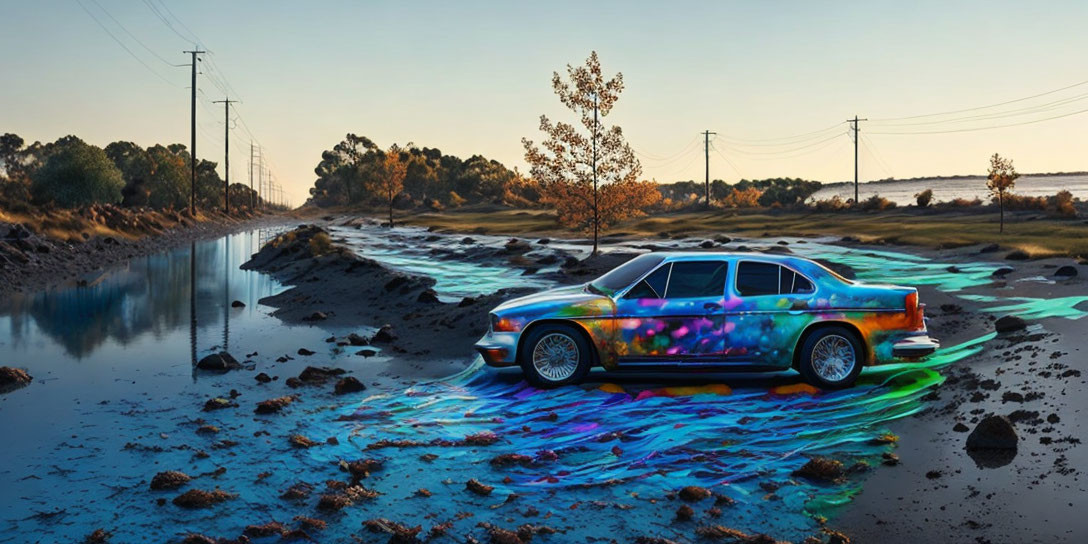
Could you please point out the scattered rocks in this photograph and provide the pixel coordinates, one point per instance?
(219, 362)
(399, 534)
(305, 352)
(297, 491)
(1010, 323)
(13, 378)
(262, 378)
(960, 427)
(198, 498)
(272, 406)
(367, 352)
(385, 334)
(993, 432)
(478, 488)
(694, 493)
(685, 513)
(1066, 271)
(516, 246)
(934, 474)
(218, 403)
(319, 374)
(428, 296)
(348, 385)
(357, 340)
(271, 528)
(170, 479)
(822, 469)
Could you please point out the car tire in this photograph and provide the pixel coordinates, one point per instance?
(554, 355)
(831, 358)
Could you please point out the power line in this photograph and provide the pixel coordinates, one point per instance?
(1067, 87)
(1070, 114)
(785, 151)
(125, 47)
(779, 141)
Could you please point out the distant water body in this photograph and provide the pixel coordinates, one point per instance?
(946, 189)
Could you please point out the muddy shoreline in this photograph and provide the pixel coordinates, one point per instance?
(30, 261)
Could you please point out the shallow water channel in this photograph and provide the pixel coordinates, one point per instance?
(115, 399)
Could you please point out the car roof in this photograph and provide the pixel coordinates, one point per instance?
(728, 255)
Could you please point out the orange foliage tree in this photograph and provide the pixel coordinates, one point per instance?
(390, 180)
(1001, 180)
(589, 174)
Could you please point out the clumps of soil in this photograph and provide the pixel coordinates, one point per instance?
(272, 406)
(319, 374)
(219, 362)
(198, 498)
(99, 536)
(694, 493)
(993, 443)
(1010, 323)
(170, 479)
(299, 441)
(822, 469)
(685, 513)
(348, 385)
(13, 378)
(271, 528)
(523, 534)
(340, 499)
(361, 468)
(478, 439)
(297, 491)
(478, 488)
(219, 403)
(398, 533)
(510, 459)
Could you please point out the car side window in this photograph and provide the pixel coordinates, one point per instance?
(696, 279)
(757, 279)
(652, 286)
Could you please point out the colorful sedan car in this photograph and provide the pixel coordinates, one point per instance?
(709, 311)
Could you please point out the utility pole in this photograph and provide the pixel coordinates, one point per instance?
(226, 102)
(706, 149)
(192, 132)
(260, 176)
(252, 198)
(854, 123)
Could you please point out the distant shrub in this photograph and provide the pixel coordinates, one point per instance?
(877, 203)
(320, 244)
(833, 204)
(924, 198)
(742, 198)
(1063, 204)
(456, 200)
(963, 203)
(1023, 202)
(77, 174)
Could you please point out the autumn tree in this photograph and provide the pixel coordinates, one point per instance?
(588, 173)
(1001, 180)
(390, 182)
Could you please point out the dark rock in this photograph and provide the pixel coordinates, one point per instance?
(357, 340)
(1018, 255)
(1010, 323)
(509, 459)
(1002, 272)
(263, 378)
(468, 240)
(197, 498)
(300, 441)
(478, 488)
(934, 474)
(544, 241)
(694, 493)
(428, 296)
(516, 246)
(685, 513)
(272, 406)
(384, 334)
(707, 244)
(170, 479)
(219, 362)
(316, 316)
(822, 469)
(993, 433)
(348, 385)
(237, 304)
(218, 403)
(319, 374)
(1066, 271)
(1012, 396)
(271, 528)
(305, 352)
(467, 301)
(954, 269)
(959, 427)
(367, 352)
(293, 382)
(13, 378)
(99, 536)
(991, 248)
(889, 459)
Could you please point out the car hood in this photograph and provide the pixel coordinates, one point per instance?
(572, 301)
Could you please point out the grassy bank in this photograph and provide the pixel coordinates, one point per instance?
(1037, 235)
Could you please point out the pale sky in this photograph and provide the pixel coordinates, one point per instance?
(473, 77)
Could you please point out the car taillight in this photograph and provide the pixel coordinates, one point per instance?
(914, 311)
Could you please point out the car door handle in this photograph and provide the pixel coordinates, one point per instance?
(712, 306)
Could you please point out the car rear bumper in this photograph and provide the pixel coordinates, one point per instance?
(914, 347)
(499, 348)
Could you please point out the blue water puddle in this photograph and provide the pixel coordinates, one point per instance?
(113, 367)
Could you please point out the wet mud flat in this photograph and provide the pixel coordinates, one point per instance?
(328, 425)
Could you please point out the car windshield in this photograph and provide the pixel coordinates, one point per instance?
(625, 274)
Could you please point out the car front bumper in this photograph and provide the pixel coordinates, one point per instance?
(914, 347)
(499, 348)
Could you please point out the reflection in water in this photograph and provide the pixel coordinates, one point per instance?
(145, 297)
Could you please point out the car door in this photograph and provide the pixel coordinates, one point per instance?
(772, 310)
(674, 314)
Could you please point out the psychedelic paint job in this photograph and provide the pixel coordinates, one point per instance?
(759, 332)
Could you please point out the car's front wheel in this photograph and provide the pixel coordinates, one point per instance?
(554, 355)
(831, 358)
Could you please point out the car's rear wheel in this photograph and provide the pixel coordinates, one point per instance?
(831, 358)
(553, 355)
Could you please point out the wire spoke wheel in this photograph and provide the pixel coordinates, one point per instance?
(833, 358)
(555, 357)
